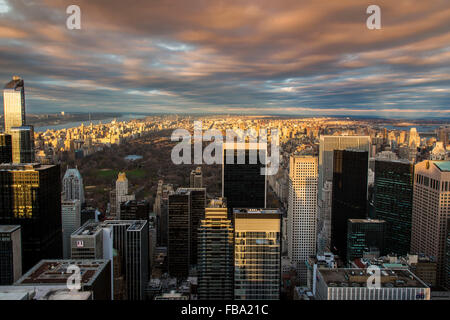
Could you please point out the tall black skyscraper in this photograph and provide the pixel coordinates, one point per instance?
(179, 234)
(243, 185)
(10, 254)
(393, 196)
(186, 210)
(30, 196)
(349, 197)
(5, 148)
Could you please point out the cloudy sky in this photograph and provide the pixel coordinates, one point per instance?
(260, 57)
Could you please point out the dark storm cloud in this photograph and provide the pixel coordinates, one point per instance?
(230, 56)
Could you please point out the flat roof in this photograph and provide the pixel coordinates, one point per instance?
(255, 211)
(9, 228)
(442, 165)
(354, 277)
(55, 271)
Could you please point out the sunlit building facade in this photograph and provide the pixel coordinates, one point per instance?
(257, 254)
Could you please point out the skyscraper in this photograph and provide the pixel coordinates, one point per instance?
(73, 188)
(243, 184)
(447, 255)
(160, 208)
(215, 253)
(393, 194)
(22, 144)
(10, 254)
(121, 193)
(326, 148)
(257, 251)
(196, 178)
(365, 235)
(431, 209)
(14, 103)
(302, 211)
(196, 214)
(30, 196)
(135, 210)
(15, 122)
(5, 148)
(349, 197)
(71, 221)
(179, 233)
(129, 239)
(324, 219)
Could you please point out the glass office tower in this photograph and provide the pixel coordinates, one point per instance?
(349, 196)
(243, 185)
(215, 253)
(365, 235)
(30, 196)
(393, 196)
(257, 254)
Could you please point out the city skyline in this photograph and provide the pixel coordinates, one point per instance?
(293, 57)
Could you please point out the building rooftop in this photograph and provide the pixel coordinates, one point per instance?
(14, 83)
(90, 228)
(366, 221)
(347, 277)
(8, 228)
(55, 272)
(45, 292)
(255, 211)
(442, 165)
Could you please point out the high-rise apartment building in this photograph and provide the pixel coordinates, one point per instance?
(365, 235)
(215, 253)
(30, 196)
(326, 148)
(431, 209)
(10, 254)
(257, 254)
(393, 195)
(72, 183)
(302, 211)
(71, 221)
(349, 196)
(5, 148)
(243, 183)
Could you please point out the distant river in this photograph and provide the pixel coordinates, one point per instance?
(75, 124)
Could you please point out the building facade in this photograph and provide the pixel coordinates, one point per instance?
(71, 221)
(302, 211)
(431, 209)
(215, 254)
(257, 254)
(349, 196)
(365, 235)
(10, 254)
(30, 196)
(393, 195)
(73, 188)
